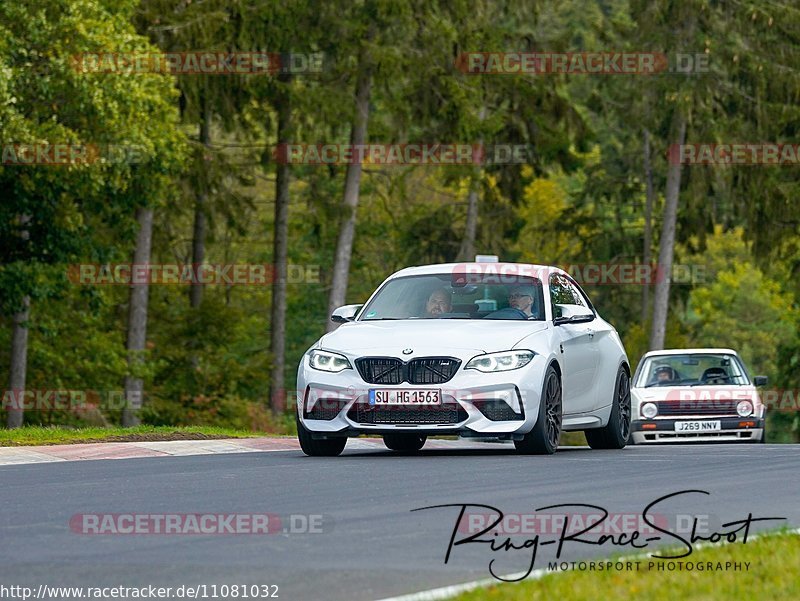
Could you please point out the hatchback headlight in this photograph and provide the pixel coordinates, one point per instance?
(649, 410)
(328, 361)
(502, 361)
(744, 408)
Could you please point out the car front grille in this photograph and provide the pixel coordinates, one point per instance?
(431, 370)
(446, 413)
(692, 407)
(381, 370)
(423, 370)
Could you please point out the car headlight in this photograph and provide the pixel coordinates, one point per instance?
(328, 361)
(744, 408)
(649, 410)
(502, 361)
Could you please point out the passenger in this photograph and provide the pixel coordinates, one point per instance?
(522, 298)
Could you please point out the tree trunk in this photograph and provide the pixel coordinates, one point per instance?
(344, 244)
(648, 226)
(277, 392)
(19, 349)
(201, 199)
(137, 322)
(466, 251)
(19, 363)
(667, 243)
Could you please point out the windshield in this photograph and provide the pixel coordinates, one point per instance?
(447, 296)
(692, 370)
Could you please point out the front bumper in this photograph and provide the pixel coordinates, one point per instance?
(474, 404)
(733, 429)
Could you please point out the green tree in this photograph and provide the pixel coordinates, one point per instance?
(741, 307)
(52, 216)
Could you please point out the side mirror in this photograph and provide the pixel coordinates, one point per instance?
(760, 380)
(563, 314)
(345, 313)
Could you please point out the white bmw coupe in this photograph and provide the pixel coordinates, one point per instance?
(496, 350)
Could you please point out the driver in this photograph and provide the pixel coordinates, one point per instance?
(664, 373)
(438, 302)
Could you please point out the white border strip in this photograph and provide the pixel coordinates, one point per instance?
(446, 592)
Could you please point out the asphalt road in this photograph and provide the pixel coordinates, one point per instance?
(371, 545)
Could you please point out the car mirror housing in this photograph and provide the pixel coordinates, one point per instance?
(564, 314)
(345, 313)
(760, 380)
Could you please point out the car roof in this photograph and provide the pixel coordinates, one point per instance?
(520, 269)
(691, 351)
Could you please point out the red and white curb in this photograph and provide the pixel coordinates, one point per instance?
(180, 448)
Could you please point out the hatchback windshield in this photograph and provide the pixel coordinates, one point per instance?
(445, 296)
(692, 370)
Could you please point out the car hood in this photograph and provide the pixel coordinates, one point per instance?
(432, 335)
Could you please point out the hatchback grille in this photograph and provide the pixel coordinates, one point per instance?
(424, 370)
(446, 413)
(692, 407)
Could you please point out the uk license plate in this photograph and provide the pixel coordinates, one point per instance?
(404, 396)
(698, 426)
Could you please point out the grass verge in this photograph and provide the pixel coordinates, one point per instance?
(774, 574)
(39, 435)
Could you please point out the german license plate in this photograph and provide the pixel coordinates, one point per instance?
(698, 426)
(404, 396)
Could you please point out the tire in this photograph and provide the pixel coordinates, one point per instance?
(543, 439)
(328, 447)
(617, 432)
(407, 443)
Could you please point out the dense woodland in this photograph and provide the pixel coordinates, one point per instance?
(596, 186)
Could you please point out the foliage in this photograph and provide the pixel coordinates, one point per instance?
(578, 199)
